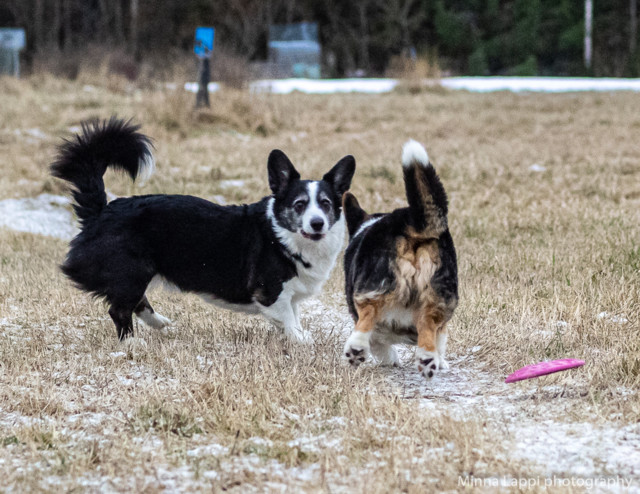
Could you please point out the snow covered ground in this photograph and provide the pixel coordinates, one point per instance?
(535, 416)
(474, 84)
(540, 84)
(46, 214)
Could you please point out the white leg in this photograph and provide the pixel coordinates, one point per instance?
(384, 353)
(283, 314)
(153, 319)
(296, 311)
(357, 347)
(441, 347)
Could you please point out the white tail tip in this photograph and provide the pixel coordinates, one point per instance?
(146, 167)
(413, 151)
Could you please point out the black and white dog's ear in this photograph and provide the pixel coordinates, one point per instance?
(341, 174)
(281, 171)
(353, 213)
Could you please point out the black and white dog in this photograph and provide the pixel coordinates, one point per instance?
(256, 258)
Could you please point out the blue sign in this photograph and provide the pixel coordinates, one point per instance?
(12, 38)
(204, 42)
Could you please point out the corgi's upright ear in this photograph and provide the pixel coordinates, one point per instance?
(339, 177)
(281, 172)
(354, 215)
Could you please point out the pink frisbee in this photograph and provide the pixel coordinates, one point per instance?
(543, 368)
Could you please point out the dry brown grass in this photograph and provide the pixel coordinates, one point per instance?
(218, 404)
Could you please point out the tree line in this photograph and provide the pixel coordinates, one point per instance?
(472, 37)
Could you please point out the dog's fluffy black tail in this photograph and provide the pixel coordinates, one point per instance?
(425, 193)
(82, 161)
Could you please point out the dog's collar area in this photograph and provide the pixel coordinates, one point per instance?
(299, 258)
(296, 257)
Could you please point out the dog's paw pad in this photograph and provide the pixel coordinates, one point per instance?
(427, 366)
(355, 356)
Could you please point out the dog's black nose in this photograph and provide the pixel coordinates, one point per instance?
(317, 223)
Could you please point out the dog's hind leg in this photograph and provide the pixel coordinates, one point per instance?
(427, 322)
(147, 315)
(441, 346)
(383, 352)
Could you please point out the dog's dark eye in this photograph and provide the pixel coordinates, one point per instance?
(325, 204)
(299, 206)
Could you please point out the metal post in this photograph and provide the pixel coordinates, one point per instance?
(633, 26)
(202, 97)
(588, 26)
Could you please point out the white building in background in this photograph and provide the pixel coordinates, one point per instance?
(294, 50)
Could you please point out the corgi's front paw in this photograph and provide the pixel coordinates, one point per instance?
(356, 350)
(427, 363)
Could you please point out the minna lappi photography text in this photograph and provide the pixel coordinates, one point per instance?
(554, 481)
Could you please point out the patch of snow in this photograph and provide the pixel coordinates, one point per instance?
(209, 450)
(192, 87)
(126, 381)
(219, 199)
(149, 443)
(117, 354)
(579, 449)
(294, 417)
(171, 479)
(225, 184)
(342, 421)
(324, 86)
(540, 84)
(474, 84)
(7, 324)
(537, 168)
(260, 441)
(204, 362)
(545, 333)
(316, 444)
(615, 319)
(43, 215)
(37, 133)
(329, 320)
(90, 418)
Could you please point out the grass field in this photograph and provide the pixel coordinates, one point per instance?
(544, 209)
